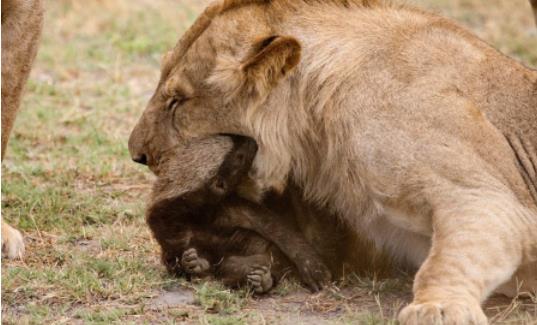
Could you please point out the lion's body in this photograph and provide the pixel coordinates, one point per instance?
(418, 118)
(412, 111)
(412, 130)
(21, 29)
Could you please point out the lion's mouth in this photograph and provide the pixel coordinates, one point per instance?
(159, 164)
(154, 169)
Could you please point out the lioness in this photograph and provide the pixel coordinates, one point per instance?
(205, 228)
(22, 22)
(408, 127)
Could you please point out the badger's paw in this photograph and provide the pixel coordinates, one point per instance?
(314, 273)
(12, 242)
(260, 279)
(192, 263)
(452, 312)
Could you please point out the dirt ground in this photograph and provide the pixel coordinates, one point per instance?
(69, 185)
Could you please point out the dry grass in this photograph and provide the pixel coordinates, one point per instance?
(68, 182)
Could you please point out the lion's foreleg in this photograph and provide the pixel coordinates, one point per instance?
(478, 243)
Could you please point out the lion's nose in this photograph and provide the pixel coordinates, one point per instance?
(141, 159)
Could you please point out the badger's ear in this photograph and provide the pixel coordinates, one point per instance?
(271, 59)
(219, 187)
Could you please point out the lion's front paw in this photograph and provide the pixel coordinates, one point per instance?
(260, 279)
(443, 313)
(192, 263)
(12, 242)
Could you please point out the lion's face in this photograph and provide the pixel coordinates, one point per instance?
(179, 101)
(230, 66)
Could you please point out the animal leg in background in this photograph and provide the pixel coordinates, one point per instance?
(22, 22)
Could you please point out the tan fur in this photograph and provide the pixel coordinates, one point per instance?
(534, 7)
(413, 131)
(21, 28)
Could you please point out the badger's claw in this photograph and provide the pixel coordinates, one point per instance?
(192, 263)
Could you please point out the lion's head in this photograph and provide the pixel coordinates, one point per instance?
(227, 63)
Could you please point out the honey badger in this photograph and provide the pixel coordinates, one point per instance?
(204, 227)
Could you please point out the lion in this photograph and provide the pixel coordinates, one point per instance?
(204, 227)
(22, 23)
(407, 127)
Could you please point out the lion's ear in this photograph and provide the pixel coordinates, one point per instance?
(165, 59)
(270, 59)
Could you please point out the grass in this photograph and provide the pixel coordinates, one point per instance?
(218, 299)
(69, 185)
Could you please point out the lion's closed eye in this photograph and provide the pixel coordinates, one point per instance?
(175, 101)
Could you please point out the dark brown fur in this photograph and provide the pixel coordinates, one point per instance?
(211, 230)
